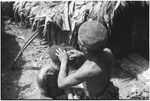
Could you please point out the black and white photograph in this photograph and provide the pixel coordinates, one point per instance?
(75, 50)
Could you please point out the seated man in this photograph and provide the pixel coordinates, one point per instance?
(47, 78)
(96, 70)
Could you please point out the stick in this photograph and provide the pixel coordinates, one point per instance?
(24, 47)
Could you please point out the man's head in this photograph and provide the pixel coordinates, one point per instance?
(92, 35)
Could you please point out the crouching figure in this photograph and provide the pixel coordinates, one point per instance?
(48, 76)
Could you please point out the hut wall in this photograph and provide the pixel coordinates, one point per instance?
(130, 30)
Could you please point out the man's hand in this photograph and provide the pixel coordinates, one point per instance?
(62, 55)
(74, 53)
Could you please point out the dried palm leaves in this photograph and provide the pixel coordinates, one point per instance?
(56, 21)
(52, 19)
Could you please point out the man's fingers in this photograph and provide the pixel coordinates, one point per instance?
(57, 54)
(72, 50)
(60, 50)
(72, 56)
(64, 51)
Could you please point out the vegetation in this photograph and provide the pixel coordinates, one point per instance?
(57, 22)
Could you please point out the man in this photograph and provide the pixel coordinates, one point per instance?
(96, 70)
(47, 77)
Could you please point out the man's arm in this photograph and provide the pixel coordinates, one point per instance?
(85, 72)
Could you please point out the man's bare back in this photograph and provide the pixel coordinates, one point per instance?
(102, 65)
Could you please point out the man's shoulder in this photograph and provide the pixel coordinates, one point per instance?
(107, 50)
(108, 53)
(88, 70)
(91, 65)
(96, 63)
(107, 57)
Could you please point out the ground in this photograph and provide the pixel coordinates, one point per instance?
(22, 84)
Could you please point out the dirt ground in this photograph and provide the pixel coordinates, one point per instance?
(21, 83)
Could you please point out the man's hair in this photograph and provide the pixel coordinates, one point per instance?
(92, 35)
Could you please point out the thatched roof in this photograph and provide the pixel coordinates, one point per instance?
(68, 15)
(72, 12)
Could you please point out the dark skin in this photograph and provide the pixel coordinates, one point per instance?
(95, 72)
(48, 88)
(47, 79)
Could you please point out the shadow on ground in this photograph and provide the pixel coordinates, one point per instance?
(130, 67)
(9, 79)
